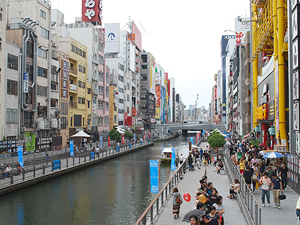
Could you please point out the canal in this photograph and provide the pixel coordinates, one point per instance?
(116, 191)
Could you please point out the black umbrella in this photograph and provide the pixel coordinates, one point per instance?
(196, 212)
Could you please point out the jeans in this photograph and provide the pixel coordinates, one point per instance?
(190, 166)
(298, 213)
(263, 193)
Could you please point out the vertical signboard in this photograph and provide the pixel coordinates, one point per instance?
(25, 82)
(108, 140)
(20, 155)
(192, 139)
(277, 98)
(296, 116)
(138, 35)
(101, 142)
(92, 11)
(154, 176)
(71, 148)
(158, 99)
(296, 86)
(241, 28)
(173, 166)
(112, 33)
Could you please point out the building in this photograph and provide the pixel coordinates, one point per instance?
(3, 82)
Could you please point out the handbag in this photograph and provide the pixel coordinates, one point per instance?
(178, 201)
(254, 177)
(282, 197)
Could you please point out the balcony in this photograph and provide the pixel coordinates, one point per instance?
(73, 87)
(54, 78)
(73, 104)
(73, 72)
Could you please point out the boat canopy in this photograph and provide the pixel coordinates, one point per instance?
(167, 150)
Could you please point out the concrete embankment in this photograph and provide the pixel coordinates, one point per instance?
(42, 172)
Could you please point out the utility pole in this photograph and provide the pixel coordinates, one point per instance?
(196, 106)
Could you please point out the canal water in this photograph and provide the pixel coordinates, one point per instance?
(116, 191)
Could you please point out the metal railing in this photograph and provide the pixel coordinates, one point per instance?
(246, 200)
(38, 170)
(157, 204)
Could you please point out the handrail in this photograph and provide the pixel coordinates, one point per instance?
(143, 216)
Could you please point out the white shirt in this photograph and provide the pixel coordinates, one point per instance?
(8, 169)
(181, 158)
(97, 149)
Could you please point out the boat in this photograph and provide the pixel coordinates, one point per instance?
(166, 155)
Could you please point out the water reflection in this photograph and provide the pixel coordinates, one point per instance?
(113, 192)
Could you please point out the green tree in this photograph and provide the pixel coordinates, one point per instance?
(216, 140)
(114, 135)
(128, 135)
(255, 143)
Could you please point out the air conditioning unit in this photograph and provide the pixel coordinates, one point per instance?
(23, 129)
(54, 123)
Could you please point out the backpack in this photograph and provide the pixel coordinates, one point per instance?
(178, 201)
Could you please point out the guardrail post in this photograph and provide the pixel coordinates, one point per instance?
(73, 160)
(67, 161)
(151, 215)
(157, 206)
(11, 178)
(256, 214)
(79, 159)
(84, 157)
(44, 169)
(34, 171)
(23, 174)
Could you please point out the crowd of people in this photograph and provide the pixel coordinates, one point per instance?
(269, 174)
(209, 205)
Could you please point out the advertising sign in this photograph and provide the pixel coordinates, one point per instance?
(154, 175)
(295, 55)
(296, 116)
(20, 155)
(92, 11)
(138, 36)
(277, 98)
(29, 141)
(173, 167)
(123, 139)
(108, 139)
(241, 28)
(296, 85)
(25, 82)
(192, 140)
(56, 164)
(101, 142)
(92, 155)
(112, 33)
(71, 148)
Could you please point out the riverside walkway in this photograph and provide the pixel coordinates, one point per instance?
(233, 214)
(190, 184)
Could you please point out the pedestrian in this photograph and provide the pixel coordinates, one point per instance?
(277, 186)
(19, 168)
(234, 189)
(265, 182)
(211, 218)
(201, 154)
(194, 220)
(248, 175)
(97, 151)
(177, 201)
(181, 158)
(2, 170)
(298, 208)
(190, 161)
(199, 212)
(283, 173)
(242, 167)
(48, 158)
(220, 208)
(8, 171)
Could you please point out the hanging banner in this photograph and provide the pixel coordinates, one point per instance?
(173, 166)
(71, 148)
(118, 149)
(123, 139)
(192, 140)
(108, 139)
(101, 142)
(154, 176)
(20, 155)
(134, 137)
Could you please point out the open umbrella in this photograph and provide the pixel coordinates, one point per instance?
(272, 155)
(196, 212)
(81, 135)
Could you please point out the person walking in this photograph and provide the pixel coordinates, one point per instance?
(283, 173)
(276, 187)
(248, 175)
(201, 154)
(298, 209)
(177, 201)
(181, 158)
(265, 186)
(211, 218)
(220, 208)
(190, 161)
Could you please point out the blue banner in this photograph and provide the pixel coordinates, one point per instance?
(148, 140)
(71, 148)
(165, 131)
(20, 155)
(173, 166)
(92, 155)
(154, 176)
(129, 145)
(118, 148)
(56, 164)
(134, 136)
(203, 133)
(192, 139)
(101, 142)
(141, 142)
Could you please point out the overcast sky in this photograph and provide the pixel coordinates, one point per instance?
(183, 36)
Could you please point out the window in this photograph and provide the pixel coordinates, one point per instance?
(29, 51)
(42, 14)
(12, 87)
(53, 86)
(72, 48)
(144, 58)
(107, 78)
(0, 16)
(83, 69)
(12, 62)
(44, 33)
(83, 101)
(42, 72)
(107, 106)
(101, 121)
(83, 54)
(101, 59)
(29, 70)
(88, 104)
(42, 91)
(11, 116)
(89, 91)
(106, 121)
(80, 52)
(121, 101)
(79, 100)
(42, 53)
(76, 50)
(77, 120)
(53, 103)
(121, 67)
(64, 121)
(144, 67)
(144, 77)
(101, 76)
(120, 78)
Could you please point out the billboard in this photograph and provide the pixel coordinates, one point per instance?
(132, 57)
(152, 74)
(158, 99)
(92, 11)
(241, 28)
(112, 34)
(138, 36)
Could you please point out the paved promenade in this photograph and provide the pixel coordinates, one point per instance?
(190, 184)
